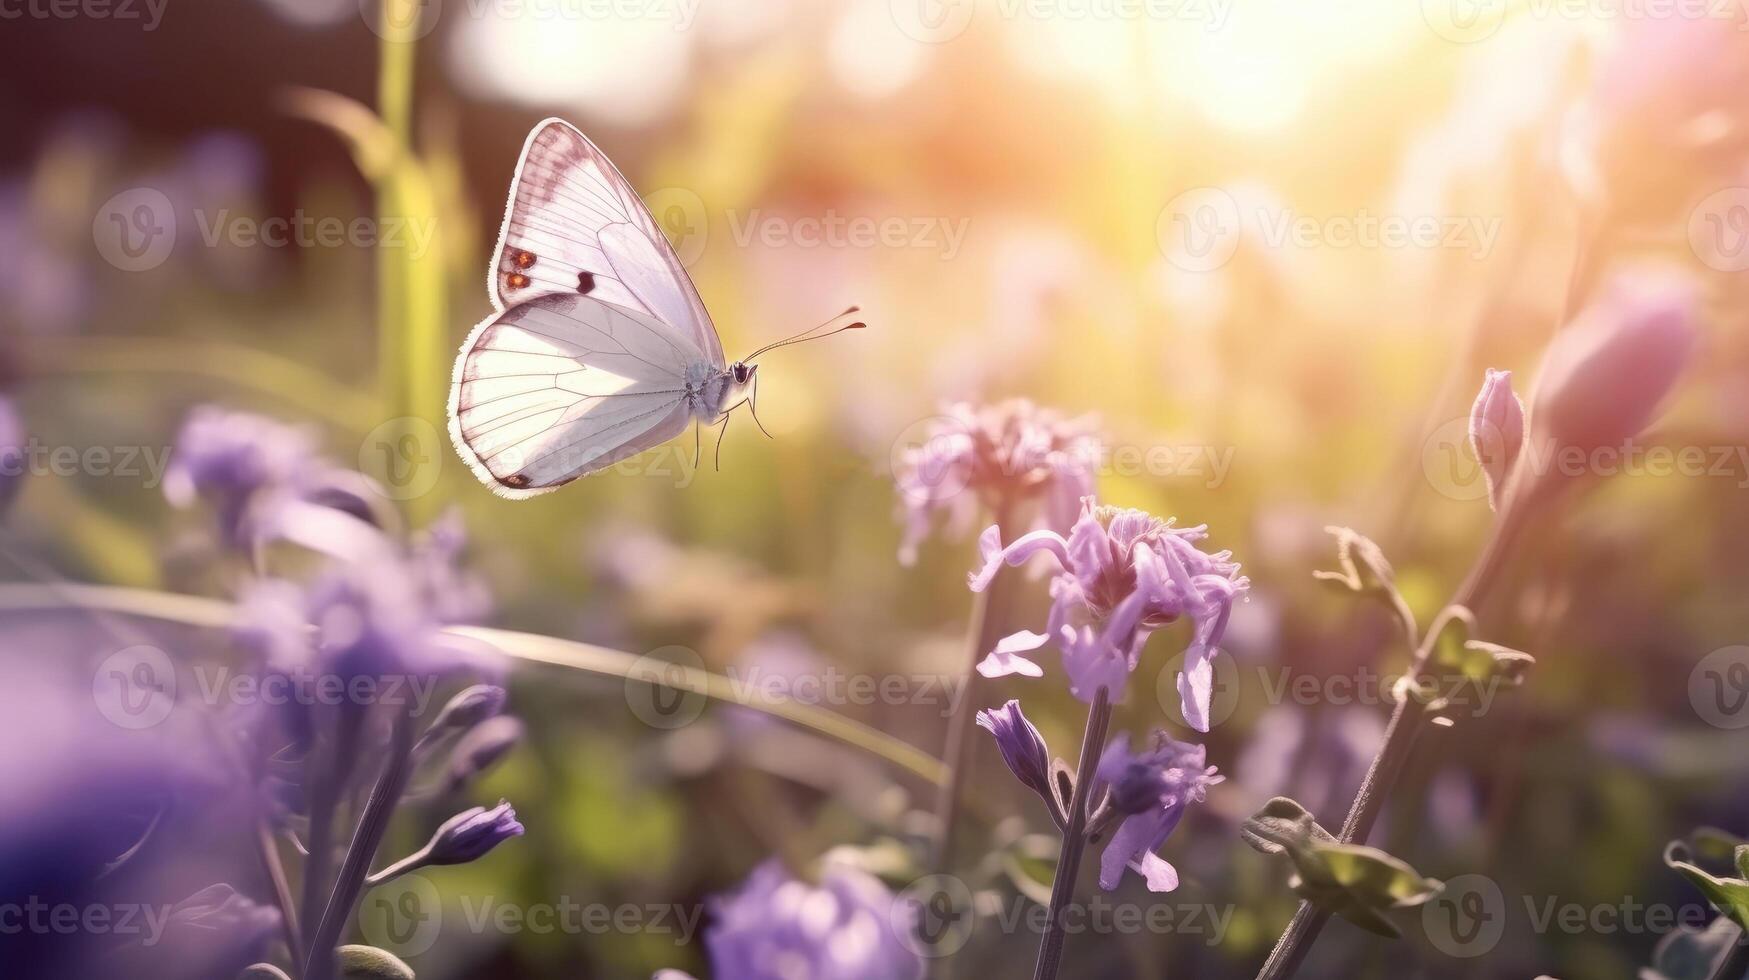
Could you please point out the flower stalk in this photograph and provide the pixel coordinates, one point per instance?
(1050, 950)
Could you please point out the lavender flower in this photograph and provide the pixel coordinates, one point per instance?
(1123, 574)
(1496, 431)
(468, 708)
(1603, 379)
(776, 927)
(1001, 456)
(1150, 790)
(229, 458)
(1021, 745)
(471, 834)
(481, 748)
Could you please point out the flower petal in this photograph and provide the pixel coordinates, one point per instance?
(1024, 547)
(1005, 659)
(1196, 687)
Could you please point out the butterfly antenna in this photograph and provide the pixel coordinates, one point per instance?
(697, 444)
(812, 333)
(753, 409)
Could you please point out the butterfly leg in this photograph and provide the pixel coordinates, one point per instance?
(753, 407)
(697, 443)
(720, 436)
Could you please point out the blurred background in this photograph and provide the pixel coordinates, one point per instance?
(1270, 245)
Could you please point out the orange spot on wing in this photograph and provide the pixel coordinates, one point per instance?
(523, 259)
(516, 280)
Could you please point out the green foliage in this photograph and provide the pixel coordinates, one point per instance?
(1729, 895)
(1359, 883)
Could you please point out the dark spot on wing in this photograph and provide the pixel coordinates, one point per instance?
(586, 282)
(515, 481)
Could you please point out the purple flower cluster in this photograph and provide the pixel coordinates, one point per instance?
(1149, 791)
(1122, 574)
(777, 927)
(1144, 793)
(1001, 457)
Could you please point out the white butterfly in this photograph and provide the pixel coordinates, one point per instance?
(600, 347)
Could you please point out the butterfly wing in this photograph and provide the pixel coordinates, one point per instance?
(574, 225)
(565, 385)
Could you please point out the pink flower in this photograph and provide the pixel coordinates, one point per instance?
(1496, 431)
(1000, 457)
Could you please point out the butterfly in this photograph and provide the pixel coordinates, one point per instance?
(599, 346)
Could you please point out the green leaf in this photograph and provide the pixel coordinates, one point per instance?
(1729, 895)
(1356, 882)
(1283, 827)
(370, 963)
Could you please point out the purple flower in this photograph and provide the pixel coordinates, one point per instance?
(1496, 431)
(480, 748)
(1021, 745)
(1000, 456)
(229, 458)
(1123, 574)
(1150, 789)
(471, 834)
(1603, 379)
(776, 927)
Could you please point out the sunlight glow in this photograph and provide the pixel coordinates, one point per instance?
(625, 71)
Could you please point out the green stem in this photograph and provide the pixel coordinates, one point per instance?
(368, 836)
(1050, 949)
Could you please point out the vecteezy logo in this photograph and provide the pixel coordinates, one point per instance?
(1718, 688)
(934, 916)
(681, 215)
(1199, 230)
(135, 687)
(932, 21)
(1718, 230)
(1466, 919)
(404, 916)
(1449, 465)
(1464, 21)
(664, 687)
(135, 230)
(404, 455)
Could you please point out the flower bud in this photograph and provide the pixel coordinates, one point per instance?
(467, 709)
(471, 834)
(1022, 747)
(1603, 378)
(1496, 431)
(482, 748)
